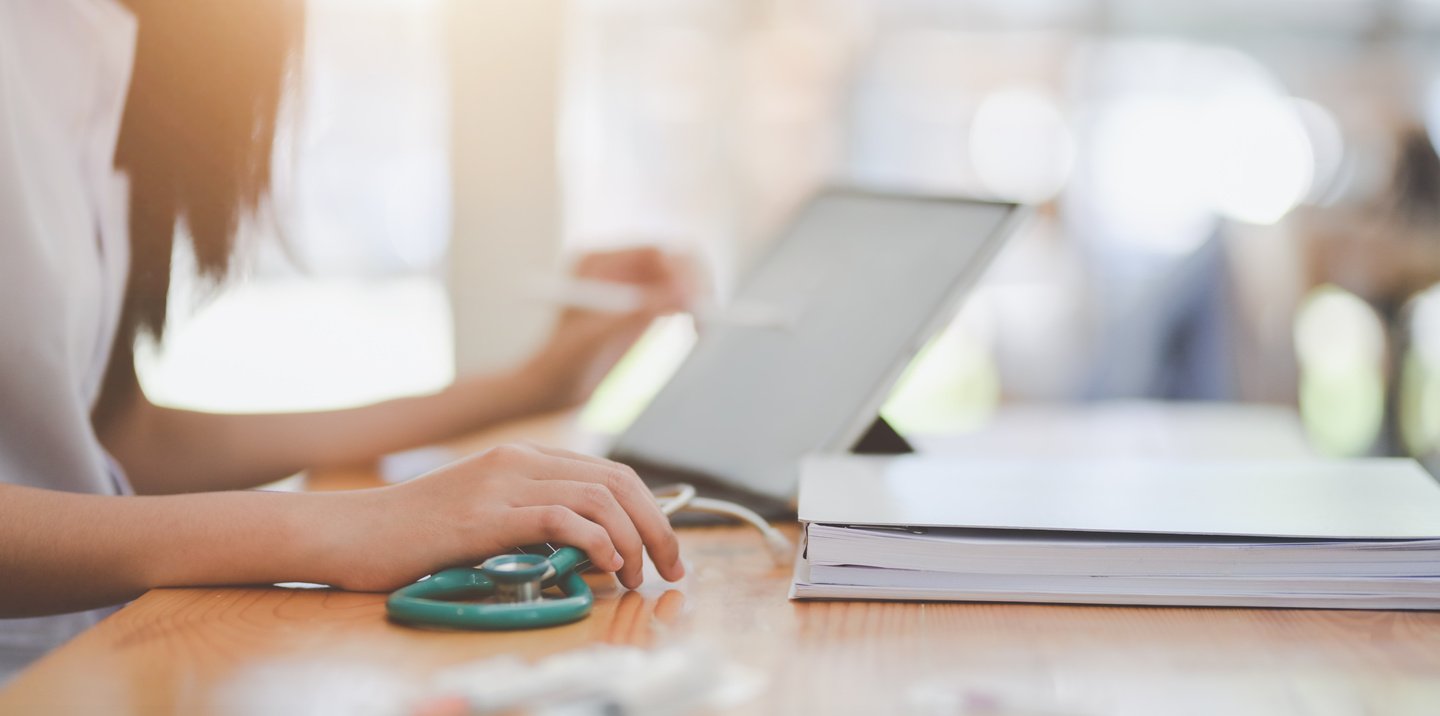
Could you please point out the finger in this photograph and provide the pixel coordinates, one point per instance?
(686, 278)
(670, 283)
(551, 466)
(596, 504)
(641, 516)
(639, 503)
(663, 300)
(654, 526)
(669, 606)
(553, 451)
(599, 462)
(644, 262)
(638, 264)
(529, 449)
(628, 626)
(669, 280)
(637, 500)
(562, 525)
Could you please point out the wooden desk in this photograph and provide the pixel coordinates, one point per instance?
(183, 651)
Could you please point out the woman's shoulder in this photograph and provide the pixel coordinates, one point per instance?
(64, 72)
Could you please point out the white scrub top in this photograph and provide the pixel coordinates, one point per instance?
(64, 254)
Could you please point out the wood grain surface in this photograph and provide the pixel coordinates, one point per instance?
(259, 650)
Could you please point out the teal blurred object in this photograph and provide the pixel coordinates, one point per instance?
(511, 584)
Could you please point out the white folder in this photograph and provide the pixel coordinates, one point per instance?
(1354, 534)
(1337, 499)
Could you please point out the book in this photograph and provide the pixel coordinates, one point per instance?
(1351, 534)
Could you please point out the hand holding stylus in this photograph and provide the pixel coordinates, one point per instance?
(621, 298)
(585, 344)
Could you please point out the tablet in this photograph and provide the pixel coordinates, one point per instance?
(864, 280)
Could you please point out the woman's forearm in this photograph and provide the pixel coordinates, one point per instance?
(169, 451)
(62, 552)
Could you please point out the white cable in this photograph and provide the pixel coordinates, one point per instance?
(681, 498)
(779, 545)
(673, 498)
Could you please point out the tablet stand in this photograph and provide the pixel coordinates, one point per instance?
(881, 438)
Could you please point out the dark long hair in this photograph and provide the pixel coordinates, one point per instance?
(196, 141)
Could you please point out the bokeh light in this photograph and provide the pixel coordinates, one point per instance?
(1181, 134)
(1420, 410)
(1262, 160)
(953, 384)
(1340, 345)
(1021, 146)
(1327, 146)
(1143, 186)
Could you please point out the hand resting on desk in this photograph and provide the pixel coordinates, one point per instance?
(498, 500)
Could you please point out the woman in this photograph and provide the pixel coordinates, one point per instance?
(184, 142)
(1387, 252)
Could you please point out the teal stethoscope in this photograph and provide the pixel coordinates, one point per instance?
(508, 591)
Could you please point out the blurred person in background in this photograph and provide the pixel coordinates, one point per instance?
(1386, 252)
(123, 126)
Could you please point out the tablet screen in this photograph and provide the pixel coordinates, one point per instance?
(863, 280)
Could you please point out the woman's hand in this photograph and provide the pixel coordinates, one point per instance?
(489, 504)
(585, 345)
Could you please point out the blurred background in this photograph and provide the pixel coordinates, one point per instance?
(1239, 201)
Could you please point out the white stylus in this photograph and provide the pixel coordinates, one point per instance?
(621, 298)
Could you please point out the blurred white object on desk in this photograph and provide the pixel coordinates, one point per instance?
(595, 680)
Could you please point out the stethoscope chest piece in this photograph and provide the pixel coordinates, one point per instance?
(517, 577)
(506, 592)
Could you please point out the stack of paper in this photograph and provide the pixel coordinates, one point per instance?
(1326, 534)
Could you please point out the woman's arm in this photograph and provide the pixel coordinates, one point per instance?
(167, 451)
(62, 552)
